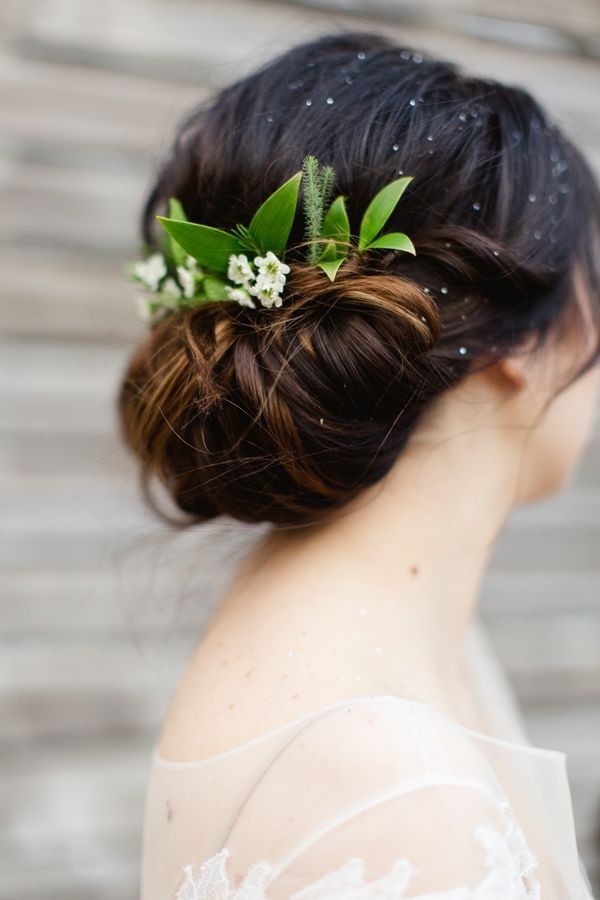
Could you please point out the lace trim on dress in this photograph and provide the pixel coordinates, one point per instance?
(511, 876)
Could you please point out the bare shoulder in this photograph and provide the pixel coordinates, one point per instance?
(246, 678)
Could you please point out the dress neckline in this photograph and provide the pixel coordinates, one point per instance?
(159, 761)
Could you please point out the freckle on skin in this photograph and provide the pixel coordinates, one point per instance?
(231, 705)
(414, 570)
(295, 696)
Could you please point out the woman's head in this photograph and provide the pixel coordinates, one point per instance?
(284, 414)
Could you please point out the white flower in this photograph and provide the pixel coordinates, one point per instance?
(171, 288)
(241, 295)
(143, 308)
(187, 280)
(271, 267)
(151, 270)
(239, 270)
(267, 291)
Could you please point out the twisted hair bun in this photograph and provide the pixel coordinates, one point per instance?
(278, 415)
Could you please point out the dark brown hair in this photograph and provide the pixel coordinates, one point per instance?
(282, 414)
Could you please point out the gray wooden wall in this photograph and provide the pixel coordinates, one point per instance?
(100, 604)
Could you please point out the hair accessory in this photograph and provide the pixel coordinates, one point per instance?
(201, 264)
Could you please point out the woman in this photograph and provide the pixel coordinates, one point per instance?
(330, 737)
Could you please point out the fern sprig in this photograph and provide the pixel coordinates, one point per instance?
(327, 182)
(318, 182)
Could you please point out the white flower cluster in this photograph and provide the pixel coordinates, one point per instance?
(266, 285)
(151, 273)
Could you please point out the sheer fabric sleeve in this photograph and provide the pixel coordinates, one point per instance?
(416, 812)
(446, 841)
(374, 800)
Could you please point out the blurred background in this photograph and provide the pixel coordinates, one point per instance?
(101, 604)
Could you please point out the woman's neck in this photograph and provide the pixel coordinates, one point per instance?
(383, 592)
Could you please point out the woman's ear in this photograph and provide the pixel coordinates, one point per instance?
(517, 371)
(510, 372)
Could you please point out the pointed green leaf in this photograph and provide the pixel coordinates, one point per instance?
(337, 224)
(211, 247)
(272, 222)
(329, 251)
(176, 211)
(331, 266)
(395, 240)
(379, 210)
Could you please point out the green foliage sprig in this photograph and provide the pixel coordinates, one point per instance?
(202, 264)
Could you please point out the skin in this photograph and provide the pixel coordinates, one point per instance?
(377, 597)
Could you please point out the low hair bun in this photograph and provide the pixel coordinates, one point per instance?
(282, 413)
(276, 414)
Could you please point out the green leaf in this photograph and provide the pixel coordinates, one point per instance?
(272, 222)
(241, 232)
(214, 288)
(395, 240)
(331, 266)
(211, 247)
(380, 209)
(176, 211)
(337, 224)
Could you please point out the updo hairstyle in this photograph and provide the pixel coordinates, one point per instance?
(281, 415)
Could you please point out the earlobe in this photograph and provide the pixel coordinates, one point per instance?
(512, 370)
(508, 374)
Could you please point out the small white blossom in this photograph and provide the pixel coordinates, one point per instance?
(239, 270)
(151, 270)
(240, 295)
(267, 291)
(271, 267)
(187, 280)
(171, 287)
(142, 305)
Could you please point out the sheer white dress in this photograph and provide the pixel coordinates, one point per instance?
(376, 796)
